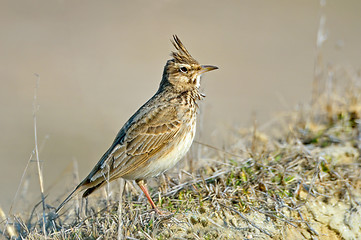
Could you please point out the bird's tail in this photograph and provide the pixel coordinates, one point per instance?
(67, 199)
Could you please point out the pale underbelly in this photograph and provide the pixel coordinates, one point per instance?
(159, 164)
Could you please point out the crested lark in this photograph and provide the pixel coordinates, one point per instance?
(159, 134)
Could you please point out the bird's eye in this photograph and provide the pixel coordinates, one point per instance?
(183, 69)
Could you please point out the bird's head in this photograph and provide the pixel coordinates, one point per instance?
(183, 72)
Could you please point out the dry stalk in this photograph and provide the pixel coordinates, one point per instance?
(40, 172)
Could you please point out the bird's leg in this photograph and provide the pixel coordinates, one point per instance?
(142, 186)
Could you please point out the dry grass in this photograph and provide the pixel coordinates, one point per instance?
(303, 182)
(298, 177)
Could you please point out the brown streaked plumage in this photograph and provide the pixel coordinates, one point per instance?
(159, 134)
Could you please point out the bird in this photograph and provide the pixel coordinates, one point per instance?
(156, 136)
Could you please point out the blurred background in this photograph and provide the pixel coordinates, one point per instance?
(99, 61)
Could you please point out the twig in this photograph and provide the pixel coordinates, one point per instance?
(246, 219)
(41, 182)
(32, 214)
(77, 180)
(23, 176)
(308, 225)
(181, 186)
(120, 209)
(21, 182)
(317, 171)
(270, 214)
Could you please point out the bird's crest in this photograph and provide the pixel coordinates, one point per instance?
(182, 55)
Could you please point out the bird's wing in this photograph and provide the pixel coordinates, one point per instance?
(145, 134)
(141, 138)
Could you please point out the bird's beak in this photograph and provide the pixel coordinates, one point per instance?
(207, 68)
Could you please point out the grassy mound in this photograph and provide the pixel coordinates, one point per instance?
(298, 178)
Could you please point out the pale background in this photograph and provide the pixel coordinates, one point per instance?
(99, 61)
